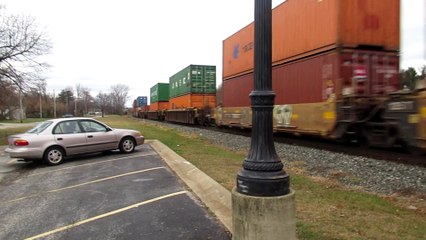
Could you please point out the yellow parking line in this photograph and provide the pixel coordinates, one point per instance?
(105, 215)
(13, 160)
(88, 164)
(81, 184)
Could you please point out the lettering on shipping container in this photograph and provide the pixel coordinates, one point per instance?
(236, 51)
(248, 47)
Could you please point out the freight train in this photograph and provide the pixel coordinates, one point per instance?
(335, 74)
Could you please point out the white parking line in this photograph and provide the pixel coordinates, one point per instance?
(94, 163)
(105, 215)
(81, 184)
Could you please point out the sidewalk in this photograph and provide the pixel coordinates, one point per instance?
(15, 125)
(212, 194)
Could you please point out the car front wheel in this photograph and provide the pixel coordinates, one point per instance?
(53, 156)
(127, 145)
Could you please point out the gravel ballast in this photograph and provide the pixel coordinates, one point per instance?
(373, 175)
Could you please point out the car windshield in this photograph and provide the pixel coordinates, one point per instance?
(40, 127)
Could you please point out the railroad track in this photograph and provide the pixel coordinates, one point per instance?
(375, 170)
(396, 154)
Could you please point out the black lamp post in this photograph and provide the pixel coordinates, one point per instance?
(262, 173)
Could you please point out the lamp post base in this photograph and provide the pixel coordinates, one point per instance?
(263, 218)
(267, 184)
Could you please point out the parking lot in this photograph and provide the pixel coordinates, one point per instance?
(112, 196)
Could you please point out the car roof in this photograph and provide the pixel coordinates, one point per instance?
(55, 120)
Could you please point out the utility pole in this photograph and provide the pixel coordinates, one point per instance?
(54, 104)
(21, 110)
(41, 108)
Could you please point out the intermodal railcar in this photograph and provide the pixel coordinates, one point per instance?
(335, 73)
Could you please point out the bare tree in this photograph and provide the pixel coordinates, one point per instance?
(86, 98)
(102, 102)
(83, 99)
(21, 46)
(66, 96)
(119, 95)
(8, 98)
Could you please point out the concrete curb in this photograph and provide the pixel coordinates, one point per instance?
(212, 194)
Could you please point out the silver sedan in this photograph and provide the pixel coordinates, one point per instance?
(54, 139)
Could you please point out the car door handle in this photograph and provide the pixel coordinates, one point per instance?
(90, 136)
(59, 139)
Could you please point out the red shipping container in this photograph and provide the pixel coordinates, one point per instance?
(320, 77)
(302, 28)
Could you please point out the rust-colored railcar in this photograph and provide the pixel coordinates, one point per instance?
(407, 111)
(154, 115)
(188, 115)
(191, 108)
(143, 111)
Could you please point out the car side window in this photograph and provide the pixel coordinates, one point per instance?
(92, 126)
(67, 127)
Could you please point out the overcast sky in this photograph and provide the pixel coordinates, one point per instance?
(138, 43)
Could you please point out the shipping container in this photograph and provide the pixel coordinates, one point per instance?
(199, 101)
(321, 77)
(142, 101)
(305, 27)
(159, 92)
(197, 79)
(156, 106)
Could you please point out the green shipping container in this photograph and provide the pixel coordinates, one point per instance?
(199, 79)
(159, 92)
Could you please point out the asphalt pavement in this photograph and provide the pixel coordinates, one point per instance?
(150, 194)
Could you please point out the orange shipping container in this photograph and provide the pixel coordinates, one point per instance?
(145, 108)
(305, 27)
(193, 101)
(159, 106)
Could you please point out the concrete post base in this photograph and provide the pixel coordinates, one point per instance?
(263, 218)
